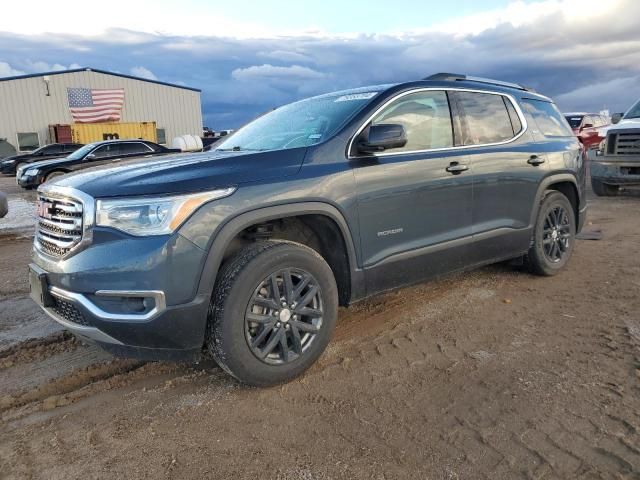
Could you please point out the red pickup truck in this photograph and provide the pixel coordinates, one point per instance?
(590, 128)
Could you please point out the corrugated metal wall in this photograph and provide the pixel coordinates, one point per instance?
(25, 107)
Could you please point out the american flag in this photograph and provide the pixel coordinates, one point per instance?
(89, 105)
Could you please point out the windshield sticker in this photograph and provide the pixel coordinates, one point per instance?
(356, 96)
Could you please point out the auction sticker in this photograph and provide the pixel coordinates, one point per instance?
(356, 96)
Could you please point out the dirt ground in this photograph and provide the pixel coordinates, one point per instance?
(492, 374)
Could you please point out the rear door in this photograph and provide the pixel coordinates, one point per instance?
(414, 210)
(508, 166)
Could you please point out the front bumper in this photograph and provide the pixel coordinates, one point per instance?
(616, 171)
(29, 181)
(9, 169)
(163, 333)
(134, 296)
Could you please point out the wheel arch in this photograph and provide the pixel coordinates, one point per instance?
(563, 183)
(227, 232)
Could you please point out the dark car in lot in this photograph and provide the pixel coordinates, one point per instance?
(93, 154)
(245, 252)
(590, 128)
(9, 165)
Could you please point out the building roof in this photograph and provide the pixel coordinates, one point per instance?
(105, 72)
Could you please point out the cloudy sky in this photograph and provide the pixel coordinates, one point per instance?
(250, 56)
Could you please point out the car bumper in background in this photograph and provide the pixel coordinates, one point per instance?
(29, 181)
(616, 171)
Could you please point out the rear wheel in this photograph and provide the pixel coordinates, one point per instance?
(272, 312)
(604, 189)
(54, 174)
(553, 237)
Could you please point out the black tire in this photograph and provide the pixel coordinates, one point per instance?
(602, 189)
(550, 251)
(53, 175)
(241, 283)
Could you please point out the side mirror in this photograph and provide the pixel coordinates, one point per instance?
(91, 156)
(616, 117)
(381, 137)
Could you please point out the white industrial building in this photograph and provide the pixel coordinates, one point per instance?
(31, 104)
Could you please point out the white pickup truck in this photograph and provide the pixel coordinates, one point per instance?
(617, 161)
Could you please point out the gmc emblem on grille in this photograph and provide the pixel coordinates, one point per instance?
(43, 209)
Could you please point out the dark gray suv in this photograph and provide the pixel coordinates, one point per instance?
(245, 252)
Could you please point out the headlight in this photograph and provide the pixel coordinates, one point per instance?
(32, 172)
(152, 216)
(8, 162)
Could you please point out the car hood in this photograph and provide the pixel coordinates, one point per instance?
(184, 173)
(45, 163)
(24, 156)
(623, 124)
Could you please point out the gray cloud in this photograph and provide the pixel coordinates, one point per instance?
(143, 72)
(583, 65)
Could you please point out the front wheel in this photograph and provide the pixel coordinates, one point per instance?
(272, 312)
(604, 189)
(553, 236)
(53, 175)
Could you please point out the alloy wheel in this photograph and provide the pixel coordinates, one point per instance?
(556, 234)
(284, 316)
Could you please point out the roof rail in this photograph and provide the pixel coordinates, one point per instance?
(461, 77)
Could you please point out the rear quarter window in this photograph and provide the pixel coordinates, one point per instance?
(548, 118)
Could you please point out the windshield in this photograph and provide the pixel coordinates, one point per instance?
(574, 120)
(81, 152)
(634, 112)
(298, 124)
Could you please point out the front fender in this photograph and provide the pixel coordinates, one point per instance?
(224, 233)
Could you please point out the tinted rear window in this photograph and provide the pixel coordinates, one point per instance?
(548, 118)
(486, 116)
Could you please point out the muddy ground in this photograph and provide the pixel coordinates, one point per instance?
(492, 374)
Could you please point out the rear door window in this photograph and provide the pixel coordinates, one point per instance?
(486, 118)
(548, 118)
(52, 150)
(134, 148)
(110, 150)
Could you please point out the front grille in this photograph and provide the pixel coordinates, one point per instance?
(627, 143)
(68, 311)
(59, 226)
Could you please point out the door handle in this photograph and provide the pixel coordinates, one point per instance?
(456, 168)
(535, 160)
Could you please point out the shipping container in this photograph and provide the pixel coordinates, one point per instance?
(97, 132)
(60, 134)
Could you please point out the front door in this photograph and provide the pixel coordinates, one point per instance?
(414, 202)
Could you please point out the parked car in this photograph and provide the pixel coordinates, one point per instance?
(590, 128)
(9, 165)
(245, 252)
(617, 161)
(93, 154)
(4, 205)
